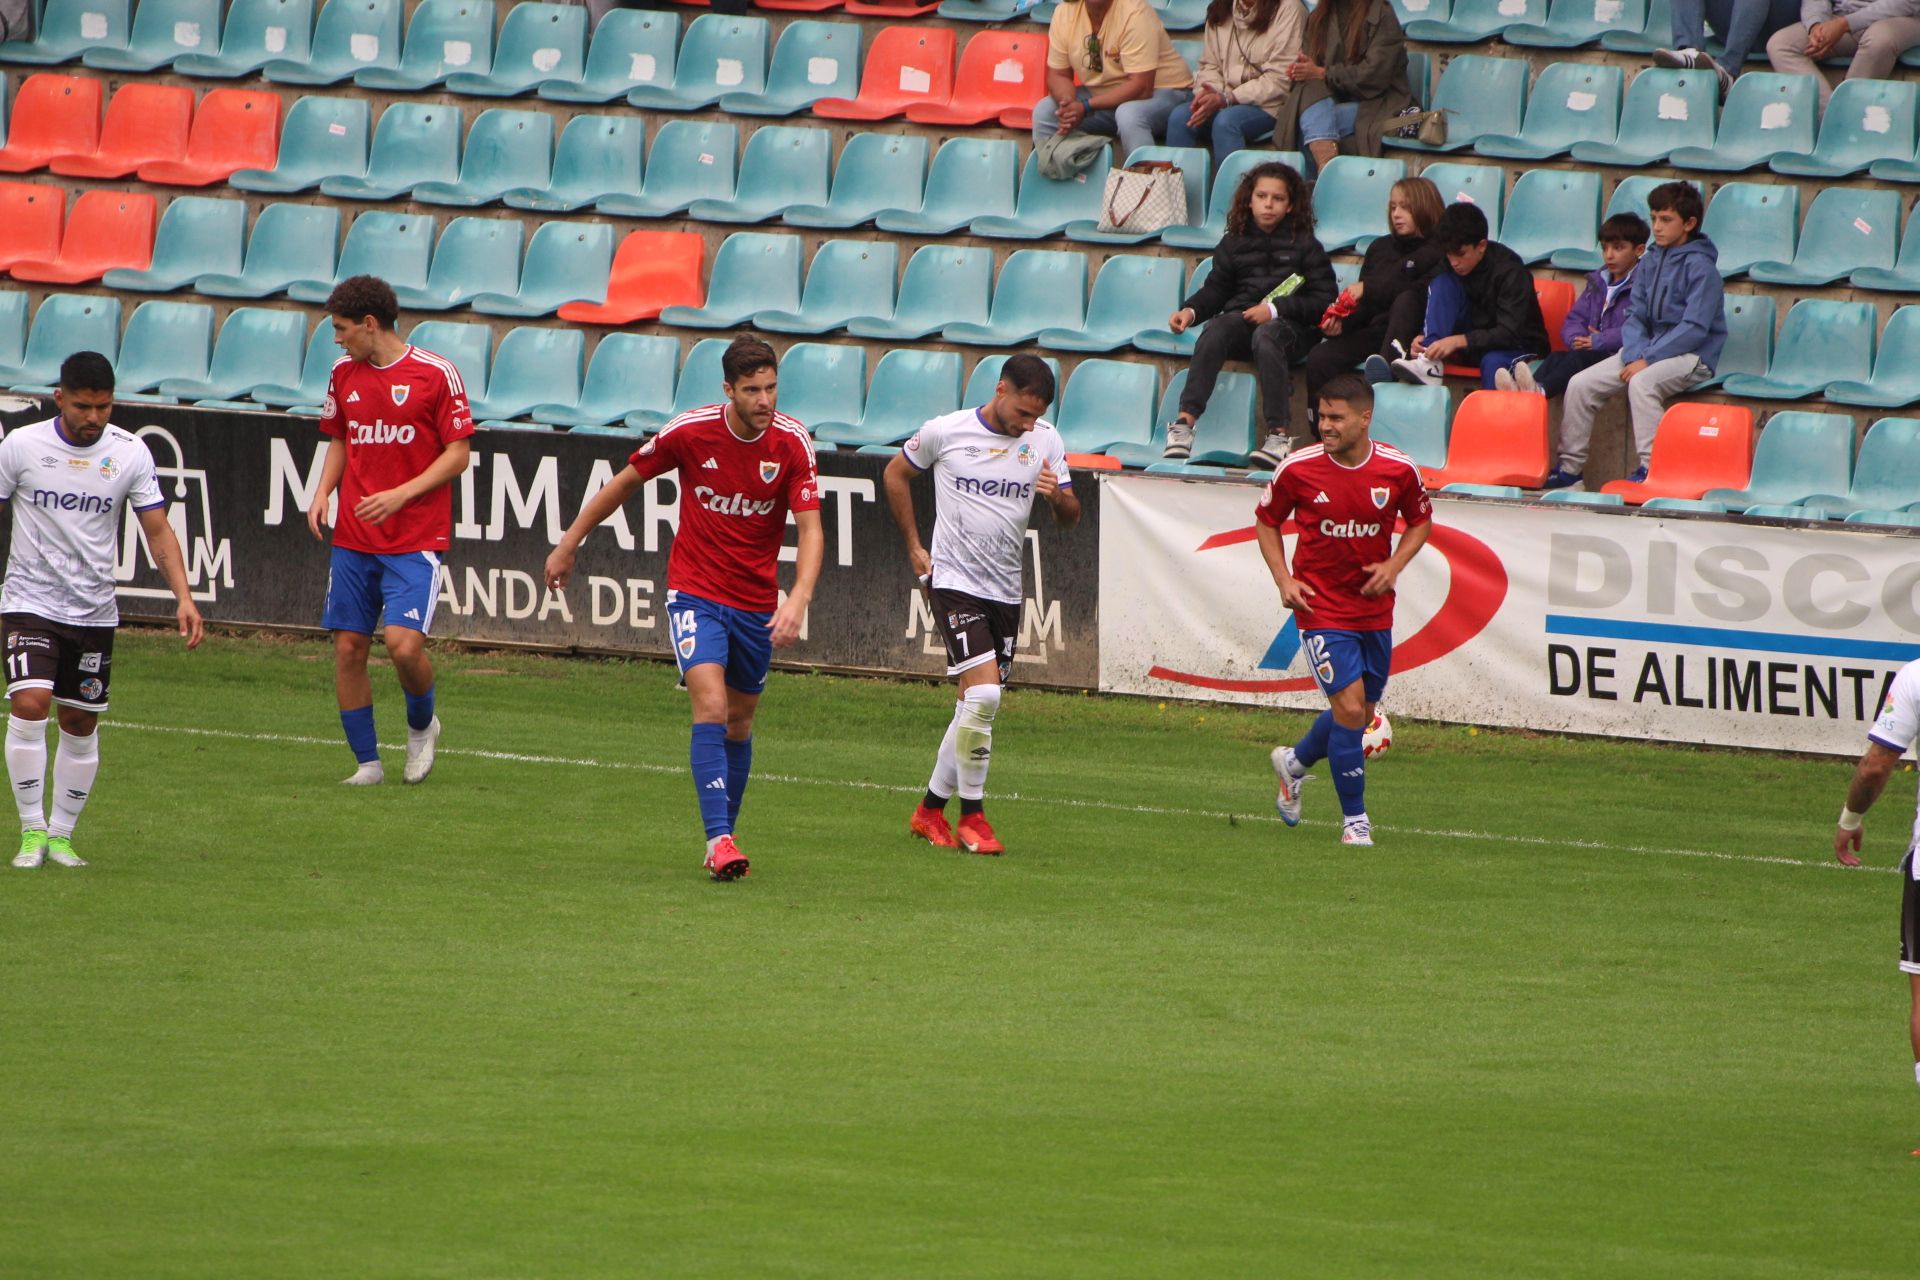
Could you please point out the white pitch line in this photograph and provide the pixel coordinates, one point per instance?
(1221, 815)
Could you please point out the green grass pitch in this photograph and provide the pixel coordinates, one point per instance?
(502, 1024)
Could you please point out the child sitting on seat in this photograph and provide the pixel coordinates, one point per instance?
(1593, 328)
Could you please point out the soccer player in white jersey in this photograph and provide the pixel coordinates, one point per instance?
(988, 465)
(1892, 733)
(67, 481)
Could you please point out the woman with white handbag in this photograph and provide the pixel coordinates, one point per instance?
(1242, 81)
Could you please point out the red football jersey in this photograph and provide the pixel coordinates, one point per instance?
(1345, 517)
(395, 421)
(734, 499)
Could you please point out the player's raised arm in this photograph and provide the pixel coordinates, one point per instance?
(897, 480)
(173, 566)
(602, 504)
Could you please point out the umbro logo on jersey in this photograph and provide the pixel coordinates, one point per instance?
(353, 397)
(1323, 497)
(710, 465)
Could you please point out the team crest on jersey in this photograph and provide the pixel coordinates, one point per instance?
(1380, 493)
(331, 408)
(647, 447)
(687, 646)
(768, 470)
(109, 468)
(400, 392)
(91, 688)
(1025, 456)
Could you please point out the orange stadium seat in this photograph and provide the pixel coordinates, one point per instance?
(906, 66)
(652, 270)
(999, 71)
(1499, 437)
(1556, 299)
(1696, 448)
(30, 220)
(233, 129)
(145, 123)
(53, 115)
(106, 229)
(891, 8)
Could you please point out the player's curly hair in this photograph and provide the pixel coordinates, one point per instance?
(358, 297)
(1299, 217)
(746, 355)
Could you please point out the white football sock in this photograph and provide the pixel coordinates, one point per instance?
(74, 768)
(27, 769)
(1916, 1073)
(946, 764)
(973, 738)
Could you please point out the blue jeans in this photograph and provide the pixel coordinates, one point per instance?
(1137, 124)
(1327, 120)
(1230, 130)
(1447, 316)
(1741, 25)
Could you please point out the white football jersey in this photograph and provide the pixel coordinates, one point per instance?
(1899, 724)
(983, 493)
(67, 507)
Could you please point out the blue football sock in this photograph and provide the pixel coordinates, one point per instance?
(707, 756)
(739, 765)
(420, 709)
(1312, 747)
(1349, 769)
(359, 726)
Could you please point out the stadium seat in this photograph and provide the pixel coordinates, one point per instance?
(197, 236)
(1765, 115)
(598, 157)
(532, 367)
(233, 129)
(1889, 519)
(350, 36)
(813, 60)
(53, 115)
(1498, 437)
(722, 54)
(322, 138)
(629, 48)
(1820, 343)
(1413, 419)
(700, 379)
(145, 123)
(1663, 112)
(1463, 489)
(257, 32)
(782, 165)
(414, 142)
(540, 44)
(1556, 299)
(1208, 232)
(824, 382)
(1581, 498)
(847, 278)
(70, 28)
(690, 160)
(289, 242)
(474, 256)
(1158, 337)
(1047, 206)
(1656, 34)
(891, 8)
(444, 38)
(999, 71)
(628, 371)
(1886, 473)
(1549, 210)
(506, 150)
(397, 247)
(1481, 96)
(257, 345)
(309, 383)
(162, 31)
(31, 219)
(801, 6)
(468, 346)
(1572, 23)
(1194, 165)
(1658, 505)
(943, 284)
(1350, 200)
(1038, 289)
(986, 373)
(1798, 455)
(163, 340)
(566, 262)
(1471, 21)
(1696, 447)
(652, 270)
(1223, 435)
(1783, 510)
(1571, 102)
(63, 324)
(1904, 275)
(906, 66)
(1867, 123)
(909, 387)
(1749, 348)
(1133, 293)
(104, 230)
(1629, 196)
(1751, 222)
(1896, 369)
(753, 271)
(996, 11)
(13, 326)
(1845, 231)
(1107, 404)
(971, 178)
(1477, 184)
(875, 171)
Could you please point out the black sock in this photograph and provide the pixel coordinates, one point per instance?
(972, 806)
(933, 801)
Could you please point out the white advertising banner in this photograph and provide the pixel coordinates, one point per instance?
(1570, 620)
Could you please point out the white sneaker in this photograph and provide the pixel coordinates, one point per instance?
(1357, 831)
(370, 774)
(1179, 439)
(1523, 379)
(420, 749)
(1503, 380)
(1422, 370)
(1273, 450)
(1290, 777)
(1681, 58)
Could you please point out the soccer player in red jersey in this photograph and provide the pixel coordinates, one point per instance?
(741, 467)
(1344, 495)
(397, 423)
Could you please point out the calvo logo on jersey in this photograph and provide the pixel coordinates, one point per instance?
(768, 470)
(1380, 493)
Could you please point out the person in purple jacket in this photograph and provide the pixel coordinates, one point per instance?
(1592, 329)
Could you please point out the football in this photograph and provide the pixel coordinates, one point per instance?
(1378, 737)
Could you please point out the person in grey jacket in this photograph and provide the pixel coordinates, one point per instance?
(1874, 32)
(1672, 340)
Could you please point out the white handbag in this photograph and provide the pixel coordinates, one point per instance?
(1144, 197)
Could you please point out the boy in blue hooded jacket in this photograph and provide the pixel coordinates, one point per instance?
(1672, 339)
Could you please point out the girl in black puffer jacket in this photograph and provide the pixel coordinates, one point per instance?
(1263, 298)
(1390, 298)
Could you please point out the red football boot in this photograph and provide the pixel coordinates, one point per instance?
(931, 825)
(976, 836)
(725, 861)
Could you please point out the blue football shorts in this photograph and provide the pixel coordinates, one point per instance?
(740, 640)
(1338, 658)
(362, 586)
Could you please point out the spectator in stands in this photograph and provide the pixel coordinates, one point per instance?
(1483, 311)
(1270, 282)
(1246, 51)
(1874, 32)
(1131, 77)
(1672, 339)
(1388, 302)
(1594, 327)
(1740, 24)
(1349, 82)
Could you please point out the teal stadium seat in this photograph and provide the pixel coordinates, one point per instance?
(909, 387)
(322, 138)
(349, 37)
(1477, 184)
(630, 48)
(540, 44)
(782, 165)
(1846, 231)
(566, 262)
(1132, 293)
(197, 236)
(1038, 289)
(628, 372)
(876, 170)
(1223, 436)
(506, 150)
(1482, 96)
(1765, 115)
(1822, 342)
(1629, 196)
(1421, 10)
(162, 31)
(690, 160)
(753, 271)
(468, 346)
(257, 345)
(1868, 123)
(1896, 369)
(847, 278)
(257, 32)
(1482, 490)
(13, 327)
(1194, 165)
(443, 37)
(722, 54)
(1350, 200)
(1886, 519)
(1751, 222)
(1572, 23)
(1581, 498)
(1699, 505)
(813, 60)
(309, 383)
(824, 382)
(1664, 111)
(1750, 323)
(532, 367)
(1798, 455)
(1419, 76)
(1416, 420)
(289, 242)
(397, 247)
(999, 11)
(1108, 404)
(971, 178)
(1046, 206)
(1787, 511)
(700, 378)
(1208, 232)
(598, 157)
(943, 283)
(1571, 102)
(1657, 33)
(474, 256)
(71, 28)
(1471, 21)
(1158, 337)
(1886, 473)
(1549, 210)
(1904, 275)
(414, 142)
(163, 339)
(986, 373)
(63, 324)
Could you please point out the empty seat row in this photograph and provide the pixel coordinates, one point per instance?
(153, 131)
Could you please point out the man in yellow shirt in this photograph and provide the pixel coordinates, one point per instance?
(1130, 77)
